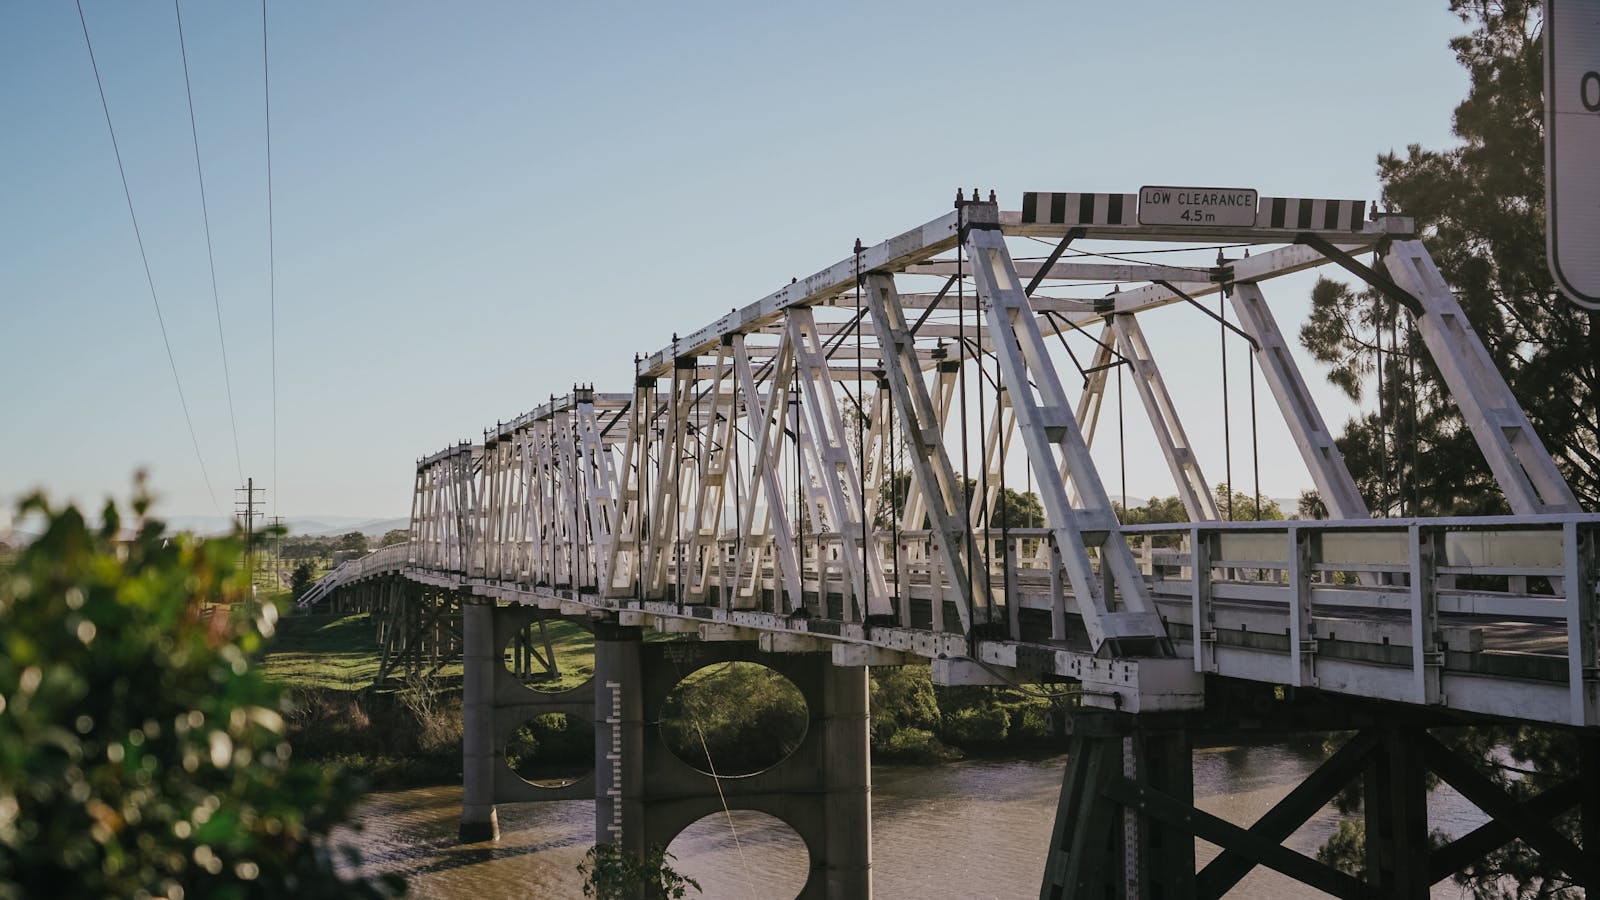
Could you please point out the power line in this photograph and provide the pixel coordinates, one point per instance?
(205, 215)
(149, 279)
(272, 253)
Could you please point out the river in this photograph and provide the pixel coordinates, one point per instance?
(971, 829)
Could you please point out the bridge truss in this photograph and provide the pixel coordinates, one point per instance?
(827, 470)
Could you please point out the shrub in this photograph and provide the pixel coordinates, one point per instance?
(977, 725)
(611, 873)
(140, 754)
(902, 697)
(915, 745)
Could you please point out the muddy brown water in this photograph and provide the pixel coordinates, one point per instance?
(971, 829)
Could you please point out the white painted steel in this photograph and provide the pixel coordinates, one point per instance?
(1523, 468)
(1311, 434)
(729, 504)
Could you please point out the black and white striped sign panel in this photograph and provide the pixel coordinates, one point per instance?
(1278, 213)
(1302, 214)
(1042, 208)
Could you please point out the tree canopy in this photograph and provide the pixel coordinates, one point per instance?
(1480, 209)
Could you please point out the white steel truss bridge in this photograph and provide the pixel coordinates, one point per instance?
(831, 470)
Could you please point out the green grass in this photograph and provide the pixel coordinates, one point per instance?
(574, 648)
(330, 650)
(340, 651)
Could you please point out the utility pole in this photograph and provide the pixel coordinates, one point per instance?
(247, 509)
(276, 525)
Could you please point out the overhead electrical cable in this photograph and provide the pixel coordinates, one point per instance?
(272, 257)
(149, 279)
(211, 259)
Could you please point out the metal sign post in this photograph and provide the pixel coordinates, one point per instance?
(1572, 147)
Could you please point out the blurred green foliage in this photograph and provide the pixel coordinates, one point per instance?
(141, 755)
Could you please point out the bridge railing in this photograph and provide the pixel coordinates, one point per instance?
(1345, 604)
(382, 561)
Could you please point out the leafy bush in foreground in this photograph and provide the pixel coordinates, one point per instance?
(140, 754)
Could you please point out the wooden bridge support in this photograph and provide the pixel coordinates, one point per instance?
(822, 790)
(1126, 822)
(417, 628)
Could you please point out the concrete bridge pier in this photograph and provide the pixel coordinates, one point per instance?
(479, 821)
(618, 737)
(494, 704)
(645, 795)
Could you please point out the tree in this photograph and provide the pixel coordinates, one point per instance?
(1311, 506)
(300, 581)
(354, 541)
(1012, 509)
(395, 536)
(1238, 506)
(140, 754)
(1480, 207)
(1160, 510)
(1157, 510)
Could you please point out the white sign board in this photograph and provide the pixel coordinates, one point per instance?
(1216, 207)
(1572, 146)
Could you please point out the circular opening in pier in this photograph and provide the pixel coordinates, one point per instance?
(550, 655)
(552, 750)
(733, 718)
(754, 855)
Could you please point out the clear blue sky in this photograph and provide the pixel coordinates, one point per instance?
(478, 204)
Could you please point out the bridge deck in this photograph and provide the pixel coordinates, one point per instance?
(1501, 640)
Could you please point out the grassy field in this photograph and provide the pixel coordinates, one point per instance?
(340, 652)
(334, 651)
